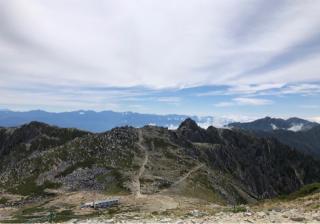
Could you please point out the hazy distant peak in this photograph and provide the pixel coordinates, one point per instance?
(271, 124)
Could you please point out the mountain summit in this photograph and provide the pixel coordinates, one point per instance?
(188, 124)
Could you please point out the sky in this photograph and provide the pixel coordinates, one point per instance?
(236, 58)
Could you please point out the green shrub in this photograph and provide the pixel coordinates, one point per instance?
(30, 187)
(237, 209)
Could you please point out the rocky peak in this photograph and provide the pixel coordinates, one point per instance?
(192, 132)
(189, 124)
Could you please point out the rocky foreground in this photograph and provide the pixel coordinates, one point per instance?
(273, 216)
(163, 209)
(301, 210)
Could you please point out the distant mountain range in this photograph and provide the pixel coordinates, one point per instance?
(104, 120)
(295, 132)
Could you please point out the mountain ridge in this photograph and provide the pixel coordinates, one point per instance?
(229, 166)
(269, 124)
(306, 139)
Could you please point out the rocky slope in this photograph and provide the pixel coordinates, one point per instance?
(35, 136)
(217, 165)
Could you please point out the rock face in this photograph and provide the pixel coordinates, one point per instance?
(265, 166)
(212, 164)
(307, 142)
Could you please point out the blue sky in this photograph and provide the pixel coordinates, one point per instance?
(236, 58)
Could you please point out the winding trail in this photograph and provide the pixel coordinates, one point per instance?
(136, 188)
(183, 178)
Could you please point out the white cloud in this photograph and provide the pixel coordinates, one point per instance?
(252, 101)
(274, 127)
(245, 45)
(153, 43)
(302, 89)
(266, 89)
(169, 99)
(243, 101)
(316, 119)
(224, 104)
(252, 89)
(296, 127)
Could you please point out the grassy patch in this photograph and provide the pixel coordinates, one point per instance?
(113, 185)
(160, 143)
(169, 154)
(61, 216)
(31, 215)
(3, 200)
(30, 187)
(31, 210)
(302, 192)
(237, 209)
(199, 186)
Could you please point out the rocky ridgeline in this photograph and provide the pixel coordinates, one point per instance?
(227, 166)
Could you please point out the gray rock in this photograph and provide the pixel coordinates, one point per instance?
(261, 214)
(298, 219)
(197, 213)
(165, 220)
(248, 214)
(316, 218)
(277, 209)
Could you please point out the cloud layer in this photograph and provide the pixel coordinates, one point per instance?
(159, 44)
(95, 54)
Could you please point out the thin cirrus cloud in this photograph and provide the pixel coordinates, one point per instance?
(169, 99)
(136, 50)
(243, 101)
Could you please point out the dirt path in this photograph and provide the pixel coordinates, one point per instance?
(183, 178)
(136, 190)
